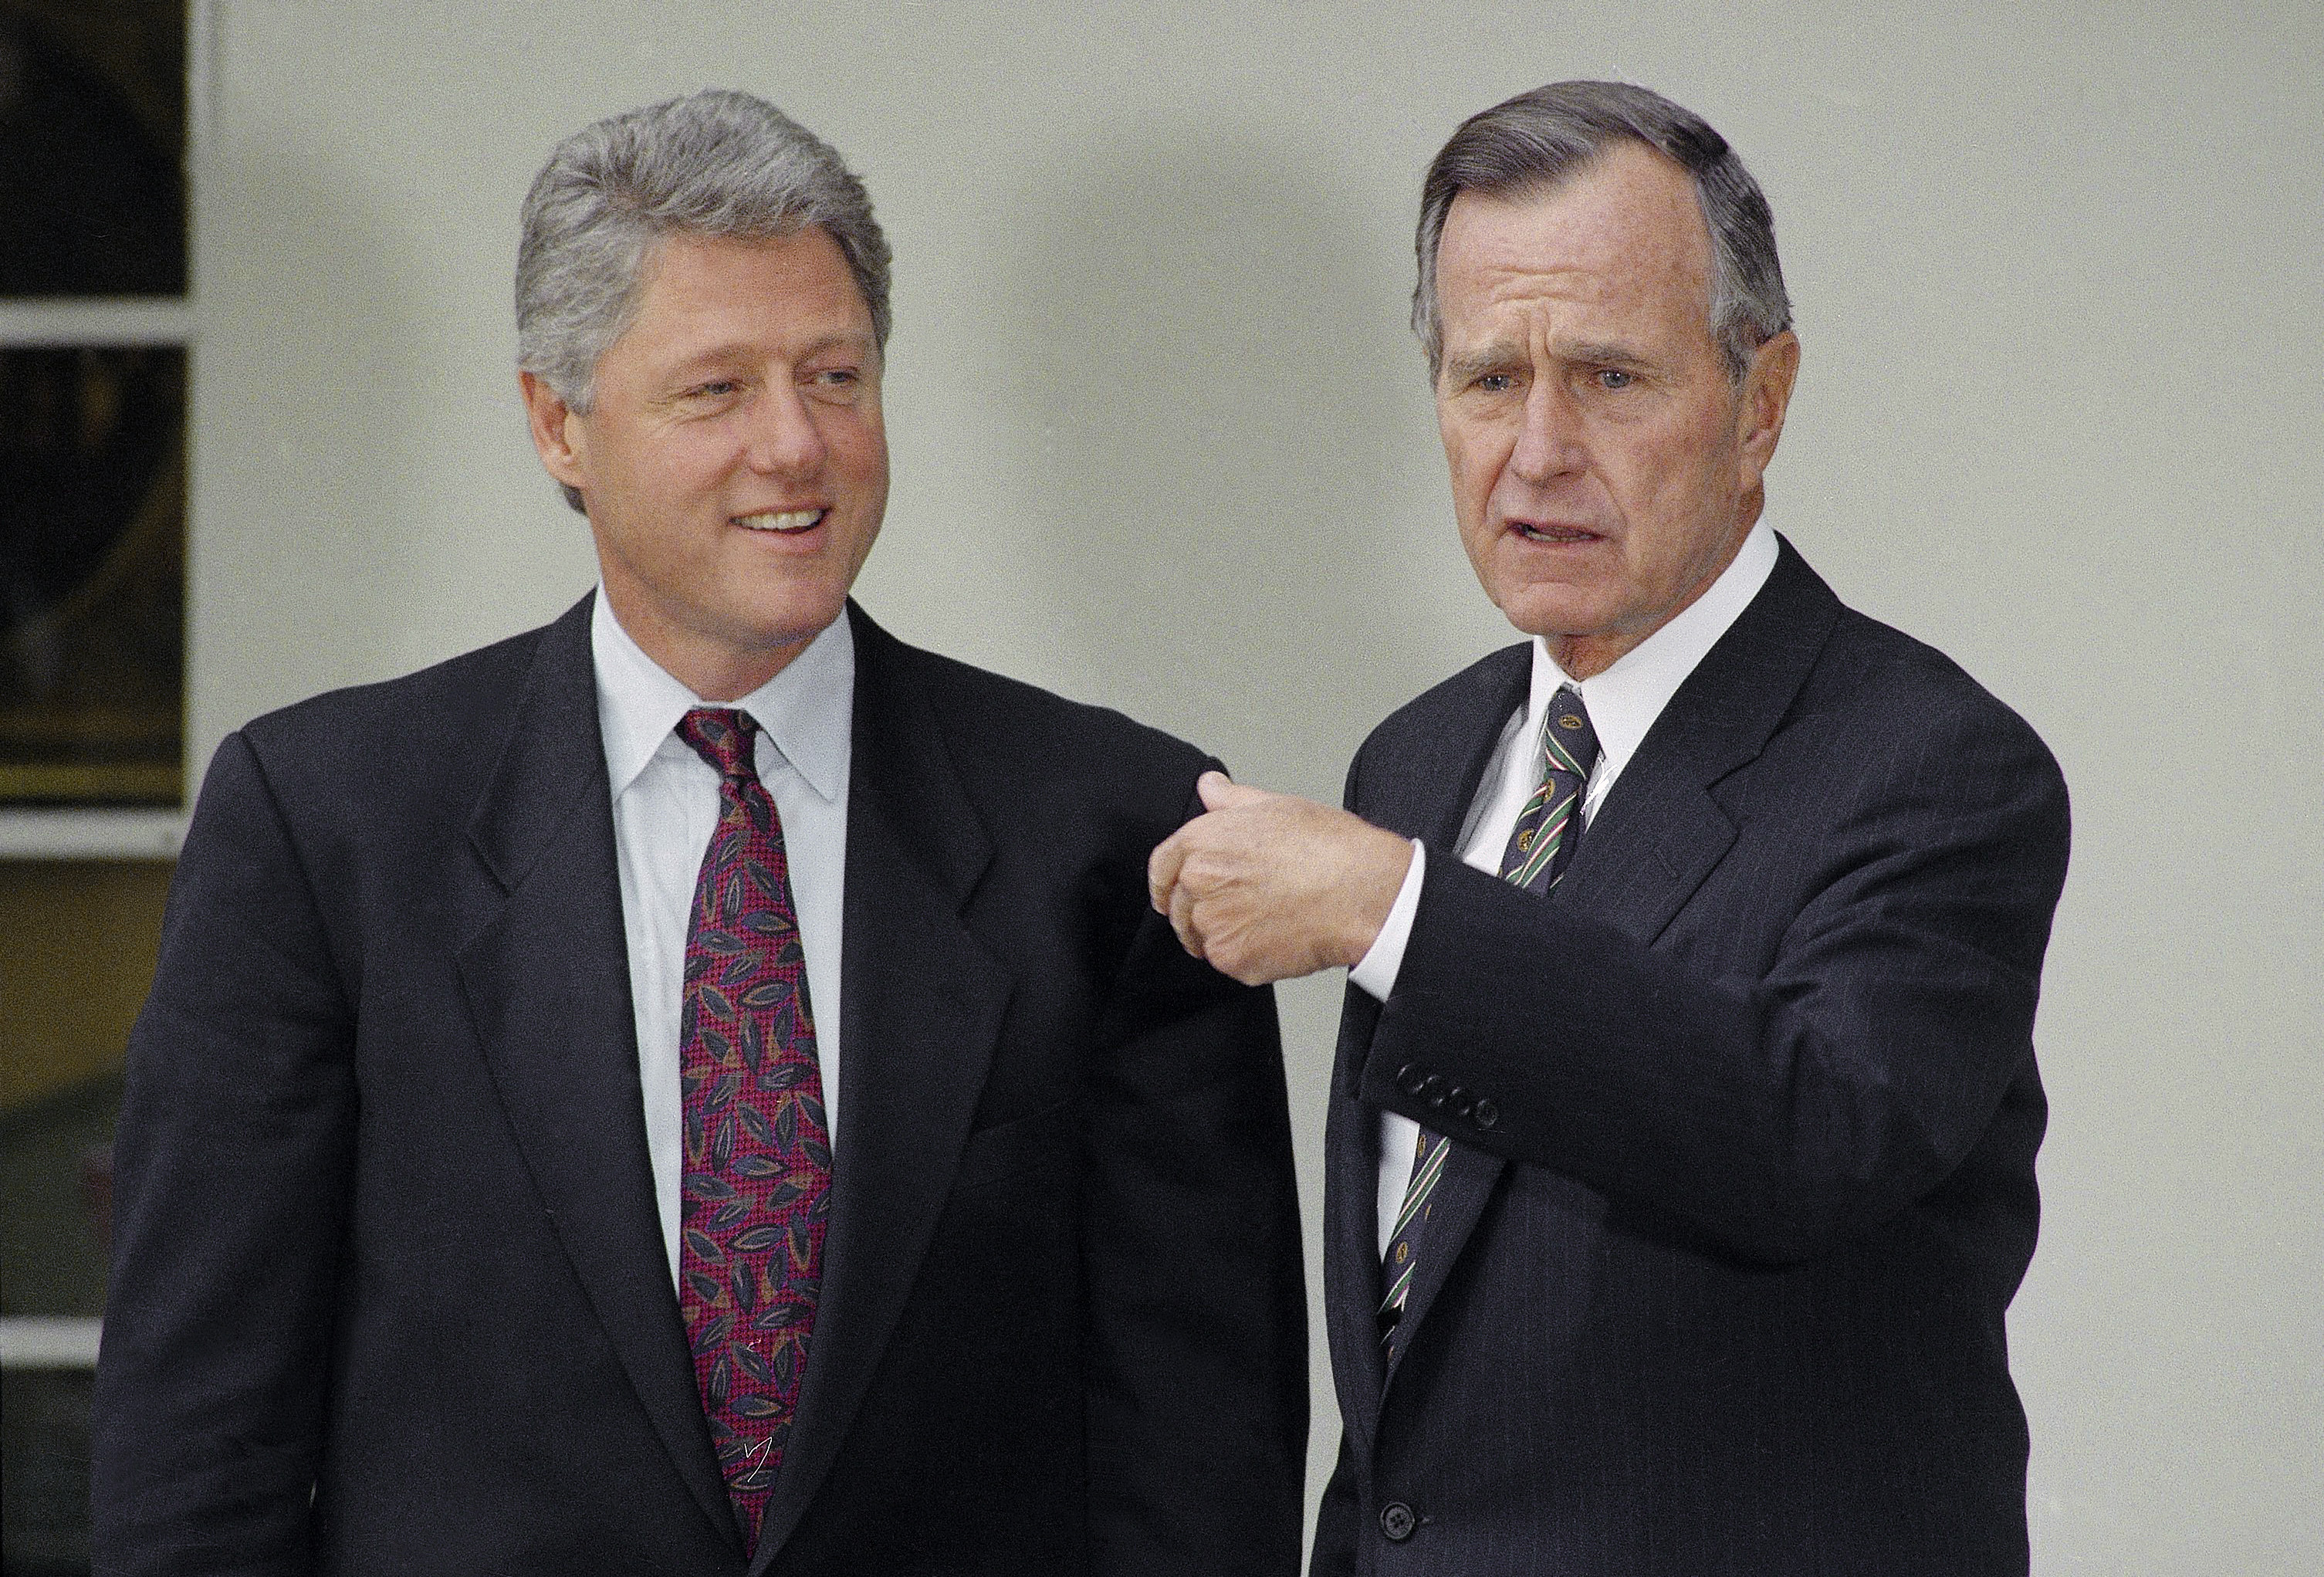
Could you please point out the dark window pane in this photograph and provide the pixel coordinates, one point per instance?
(56, 1157)
(92, 148)
(92, 575)
(78, 942)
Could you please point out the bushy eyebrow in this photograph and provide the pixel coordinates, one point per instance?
(1504, 356)
(713, 357)
(1607, 354)
(856, 345)
(1498, 356)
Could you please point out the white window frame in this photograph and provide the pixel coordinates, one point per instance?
(40, 832)
(41, 1341)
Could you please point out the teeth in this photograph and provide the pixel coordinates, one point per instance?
(1555, 534)
(789, 520)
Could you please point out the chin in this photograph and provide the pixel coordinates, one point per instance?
(1554, 618)
(797, 633)
(782, 615)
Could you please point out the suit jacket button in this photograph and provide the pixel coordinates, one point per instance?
(1396, 1521)
(1408, 1079)
(1463, 1104)
(1432, 1090)
(1486, 1115)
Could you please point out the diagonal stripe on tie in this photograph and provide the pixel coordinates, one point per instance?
(1548, 840)
(1540, 849)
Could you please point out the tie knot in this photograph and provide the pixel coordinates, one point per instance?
(1566, 736)
(724, 736)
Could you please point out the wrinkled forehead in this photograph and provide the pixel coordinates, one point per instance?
(1630, 206)
(1626, 225)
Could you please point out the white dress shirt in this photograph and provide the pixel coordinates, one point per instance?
(1623, 703)
(665, 808)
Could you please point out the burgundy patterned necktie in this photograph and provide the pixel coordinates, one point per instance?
(757, 1189)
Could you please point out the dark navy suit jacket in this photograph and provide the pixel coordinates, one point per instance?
(1745, 1115)
(390, 1291)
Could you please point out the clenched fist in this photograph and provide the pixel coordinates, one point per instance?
(1270, 886)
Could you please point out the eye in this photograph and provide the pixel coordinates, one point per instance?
(1613, 378)
(717, 389)
(842, 385)
(1496, 383)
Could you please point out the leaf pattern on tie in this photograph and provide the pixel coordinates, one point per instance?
(756, 1194)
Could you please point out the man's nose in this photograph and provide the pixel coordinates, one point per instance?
(1550, 439)
(782, 438)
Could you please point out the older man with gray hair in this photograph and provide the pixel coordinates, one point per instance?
(1682, 1134)
(695, 1088)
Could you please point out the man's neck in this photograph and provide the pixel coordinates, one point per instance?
(1585, 657)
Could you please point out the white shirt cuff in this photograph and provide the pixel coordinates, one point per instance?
(1376, 972)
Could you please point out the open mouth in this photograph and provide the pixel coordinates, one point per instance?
(1553, 533)
(784, 520)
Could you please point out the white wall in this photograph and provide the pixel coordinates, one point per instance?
(1161, 441)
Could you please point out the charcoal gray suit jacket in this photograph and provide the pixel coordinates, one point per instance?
(1743, 1116)
(390, 1290)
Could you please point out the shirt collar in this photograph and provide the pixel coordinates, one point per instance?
(806, 711)
(1625, 700)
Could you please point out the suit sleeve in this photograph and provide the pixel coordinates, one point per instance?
(232, 1163)
(1197, 1349)
(1778, 1112)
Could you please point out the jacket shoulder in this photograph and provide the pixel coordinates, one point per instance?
(420, 744)
(1888, 681)
(458, 686)
(1449, 709)
(1482, 684)
(998, 726)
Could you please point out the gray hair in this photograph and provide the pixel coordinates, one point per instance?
(715, 163)
(1537, 140)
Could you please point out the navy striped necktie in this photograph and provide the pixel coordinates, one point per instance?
(1540, 851)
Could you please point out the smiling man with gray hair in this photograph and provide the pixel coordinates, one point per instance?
(694, 1089)
(1681, 1134)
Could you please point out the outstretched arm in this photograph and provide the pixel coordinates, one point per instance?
(1271, 887)
(1775, 1109)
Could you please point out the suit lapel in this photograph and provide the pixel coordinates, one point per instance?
(1463, 1189)
(546, 981)
(1412, 797)
(1661, 829)
(921, 1003)
(1658, 834)
(1415, 796)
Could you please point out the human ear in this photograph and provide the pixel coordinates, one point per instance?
(556, 431)
(1766, 395)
